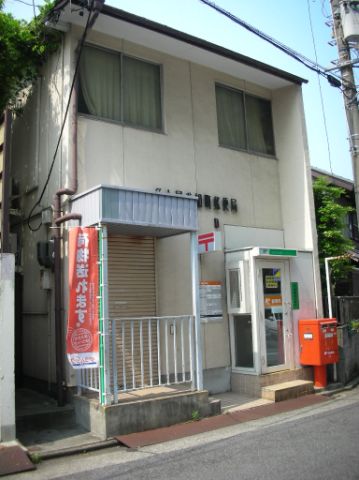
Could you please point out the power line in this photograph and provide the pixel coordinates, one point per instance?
(80, 48)
(320, 88)
(33, 5)
(334, 80)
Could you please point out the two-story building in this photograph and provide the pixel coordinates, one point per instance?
(167, 136)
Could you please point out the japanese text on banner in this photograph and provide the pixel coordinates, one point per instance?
(82, 330)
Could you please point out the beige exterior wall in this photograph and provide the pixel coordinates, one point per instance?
(34, 138)
(186, 157)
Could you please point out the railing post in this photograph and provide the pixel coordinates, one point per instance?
(196, 311)
(133, 355)
(159, 351)
(191, 356)
(175, 350)
(182, 352)
(114, 362)
(105, 393)
(150, 350)
(166, 353)
(141, 354)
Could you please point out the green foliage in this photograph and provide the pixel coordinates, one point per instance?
(354, 326)
(24, 47)
(35, 458)
(195, 416)
(331, 216)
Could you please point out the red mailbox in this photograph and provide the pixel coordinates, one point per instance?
(318, 346)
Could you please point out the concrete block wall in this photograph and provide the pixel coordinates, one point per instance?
(7, 347)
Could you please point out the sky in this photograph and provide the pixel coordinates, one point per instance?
(299, 24)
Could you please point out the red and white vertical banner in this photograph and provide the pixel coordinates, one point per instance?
(82, 339)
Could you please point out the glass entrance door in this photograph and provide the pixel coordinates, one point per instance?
(274, 315)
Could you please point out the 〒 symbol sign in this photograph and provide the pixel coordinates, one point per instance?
(209, 242)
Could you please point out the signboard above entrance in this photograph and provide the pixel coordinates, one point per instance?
(274, 252)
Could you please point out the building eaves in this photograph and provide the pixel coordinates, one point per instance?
(191, 40)
(334, 179)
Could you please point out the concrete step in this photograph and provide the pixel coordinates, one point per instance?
(287, 390)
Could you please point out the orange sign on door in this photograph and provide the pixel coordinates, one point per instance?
(82, 340)
(272, 301)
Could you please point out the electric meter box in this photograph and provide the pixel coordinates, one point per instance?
(318, 341)
(349, 14)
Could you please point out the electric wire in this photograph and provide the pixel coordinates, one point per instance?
(33, 5)
(320, 88)
(333, 79)
(80, 48)
(324, 9)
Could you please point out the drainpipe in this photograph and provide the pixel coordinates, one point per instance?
(5, 201)
(58, 219)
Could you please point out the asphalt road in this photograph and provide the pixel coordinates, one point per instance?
(312, 444)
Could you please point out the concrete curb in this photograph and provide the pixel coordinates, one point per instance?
(63, 452)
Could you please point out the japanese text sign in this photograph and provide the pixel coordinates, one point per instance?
(82, 340)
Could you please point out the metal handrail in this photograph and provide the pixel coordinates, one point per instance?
(143, 365)
(136, 364)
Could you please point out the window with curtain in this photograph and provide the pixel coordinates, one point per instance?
(244, 121)
(116, 87)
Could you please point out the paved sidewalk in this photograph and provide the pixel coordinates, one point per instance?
(235, 414)
(233, 417)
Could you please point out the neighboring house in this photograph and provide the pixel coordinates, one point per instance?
(351, 285)
(167, 136)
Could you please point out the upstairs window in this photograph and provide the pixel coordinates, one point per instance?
(120, 88)
(244, 121)
(352, 223)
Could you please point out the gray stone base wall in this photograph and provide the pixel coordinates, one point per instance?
(138, 416)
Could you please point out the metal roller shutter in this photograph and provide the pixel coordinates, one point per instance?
(132, 293)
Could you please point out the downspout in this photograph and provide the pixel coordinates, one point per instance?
(5, 200)
(58, 219)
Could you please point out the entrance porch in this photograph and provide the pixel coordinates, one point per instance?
(150, 364)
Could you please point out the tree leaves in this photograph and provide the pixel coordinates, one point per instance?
(24, 47)
(331, 215)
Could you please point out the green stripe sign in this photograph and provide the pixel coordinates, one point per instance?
(278, 252)
(294, 288)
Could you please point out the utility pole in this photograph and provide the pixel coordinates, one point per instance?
(345, 65)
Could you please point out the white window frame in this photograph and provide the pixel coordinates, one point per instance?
(122, 121)
(246, 149)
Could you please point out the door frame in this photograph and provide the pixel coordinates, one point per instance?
(283, 264)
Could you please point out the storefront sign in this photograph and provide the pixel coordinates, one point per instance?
(82, 340)
(278, 252)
